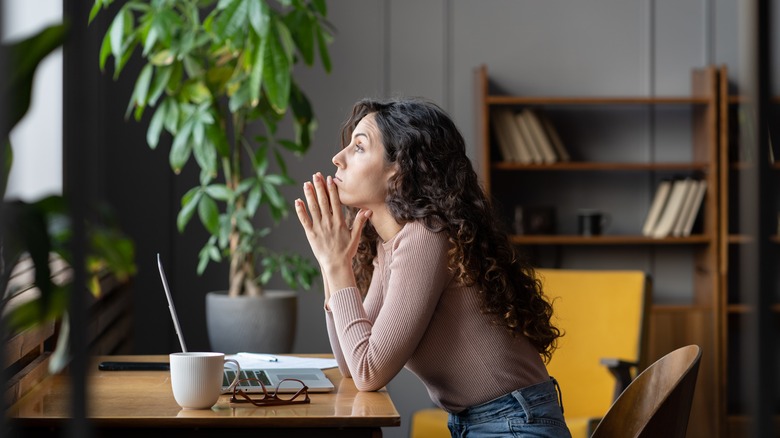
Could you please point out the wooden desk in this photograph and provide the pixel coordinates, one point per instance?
(141, 403)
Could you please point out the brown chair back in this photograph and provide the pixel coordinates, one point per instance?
(658, 401)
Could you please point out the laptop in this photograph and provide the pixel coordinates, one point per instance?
(314, 378)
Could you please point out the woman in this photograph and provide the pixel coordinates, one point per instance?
(419, 274)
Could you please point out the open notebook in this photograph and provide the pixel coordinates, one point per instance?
(314, 378)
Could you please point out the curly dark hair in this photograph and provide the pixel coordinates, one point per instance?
(435, 183)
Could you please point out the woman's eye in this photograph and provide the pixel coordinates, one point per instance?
(358, 148)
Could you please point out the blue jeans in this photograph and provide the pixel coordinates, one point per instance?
(529, 412)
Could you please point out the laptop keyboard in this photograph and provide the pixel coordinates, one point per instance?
(229, 375)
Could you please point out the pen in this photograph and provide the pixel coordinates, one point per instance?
(266, 357)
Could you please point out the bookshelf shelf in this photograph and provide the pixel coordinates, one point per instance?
(568, 101)
(606, 240)
(594, 166)
(739, 239)
(570, 185)
(741, 309)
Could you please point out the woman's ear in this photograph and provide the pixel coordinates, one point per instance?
(392, 170)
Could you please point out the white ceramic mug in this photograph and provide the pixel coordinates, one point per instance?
(196, 378)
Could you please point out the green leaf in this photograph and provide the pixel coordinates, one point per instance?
(203, 259)
(159, 83)
(156, 125)
(117, 32)
(218, 140)
(301, 25)
(276, 198)
(266, 276)
(259, 16)
(282, 166)
(120, 64)
(220, 192)
(141, 91)
(276, 180)
(192, 66)
(320, 6)
(287, 275)
(286, 40)
(172, 116)
(204, 151)
(254, 198)
(218, 76)
(214, 253)
(322, 43)
(162, 58)
(151, 38)
(181, 148)
(245, 185)
(303, 119)
(239, 98)
(94, 11)
(276, 73)
(261, 160)
(189, 202)
(244, 225)
(196, 91)
(256, 73)
(105, 50)
(290, 146)
(232, 18)
(208, 253)
(224, 230)
(209, 214)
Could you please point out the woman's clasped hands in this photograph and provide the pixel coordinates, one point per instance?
(332, 241)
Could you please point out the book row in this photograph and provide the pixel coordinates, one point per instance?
(674, 208)
(527, 137)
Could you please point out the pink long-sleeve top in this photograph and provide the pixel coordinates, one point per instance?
(416, 315)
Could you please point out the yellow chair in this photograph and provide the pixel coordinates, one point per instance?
(604, 316)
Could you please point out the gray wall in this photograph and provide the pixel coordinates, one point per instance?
(430, 48)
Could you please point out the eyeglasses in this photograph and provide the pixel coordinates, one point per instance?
(273, 398)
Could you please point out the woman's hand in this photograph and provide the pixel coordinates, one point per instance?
(333, 243)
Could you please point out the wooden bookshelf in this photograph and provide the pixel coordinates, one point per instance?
(672, 325)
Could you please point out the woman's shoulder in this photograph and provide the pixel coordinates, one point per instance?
(418, 232)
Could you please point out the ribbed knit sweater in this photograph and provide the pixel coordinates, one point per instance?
(416, 315)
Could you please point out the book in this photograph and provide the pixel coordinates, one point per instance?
(685, 207)
(555, 139)
(525, 131)
(502, 135)
(695, 206)
(539, 136)
(519, 143)
(672, 208)
(657, 206)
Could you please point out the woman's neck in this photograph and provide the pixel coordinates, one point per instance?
(384, 224)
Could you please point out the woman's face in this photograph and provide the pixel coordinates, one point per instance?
(362, 173)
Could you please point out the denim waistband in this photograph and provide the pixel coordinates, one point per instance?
(527, 398)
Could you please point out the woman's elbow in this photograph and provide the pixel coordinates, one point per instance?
(367, 386)
(345, 371)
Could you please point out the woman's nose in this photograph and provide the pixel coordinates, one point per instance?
(336, 160)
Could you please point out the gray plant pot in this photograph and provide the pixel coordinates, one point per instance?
(264, 324)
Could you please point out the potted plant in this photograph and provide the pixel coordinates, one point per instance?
(212, 70)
